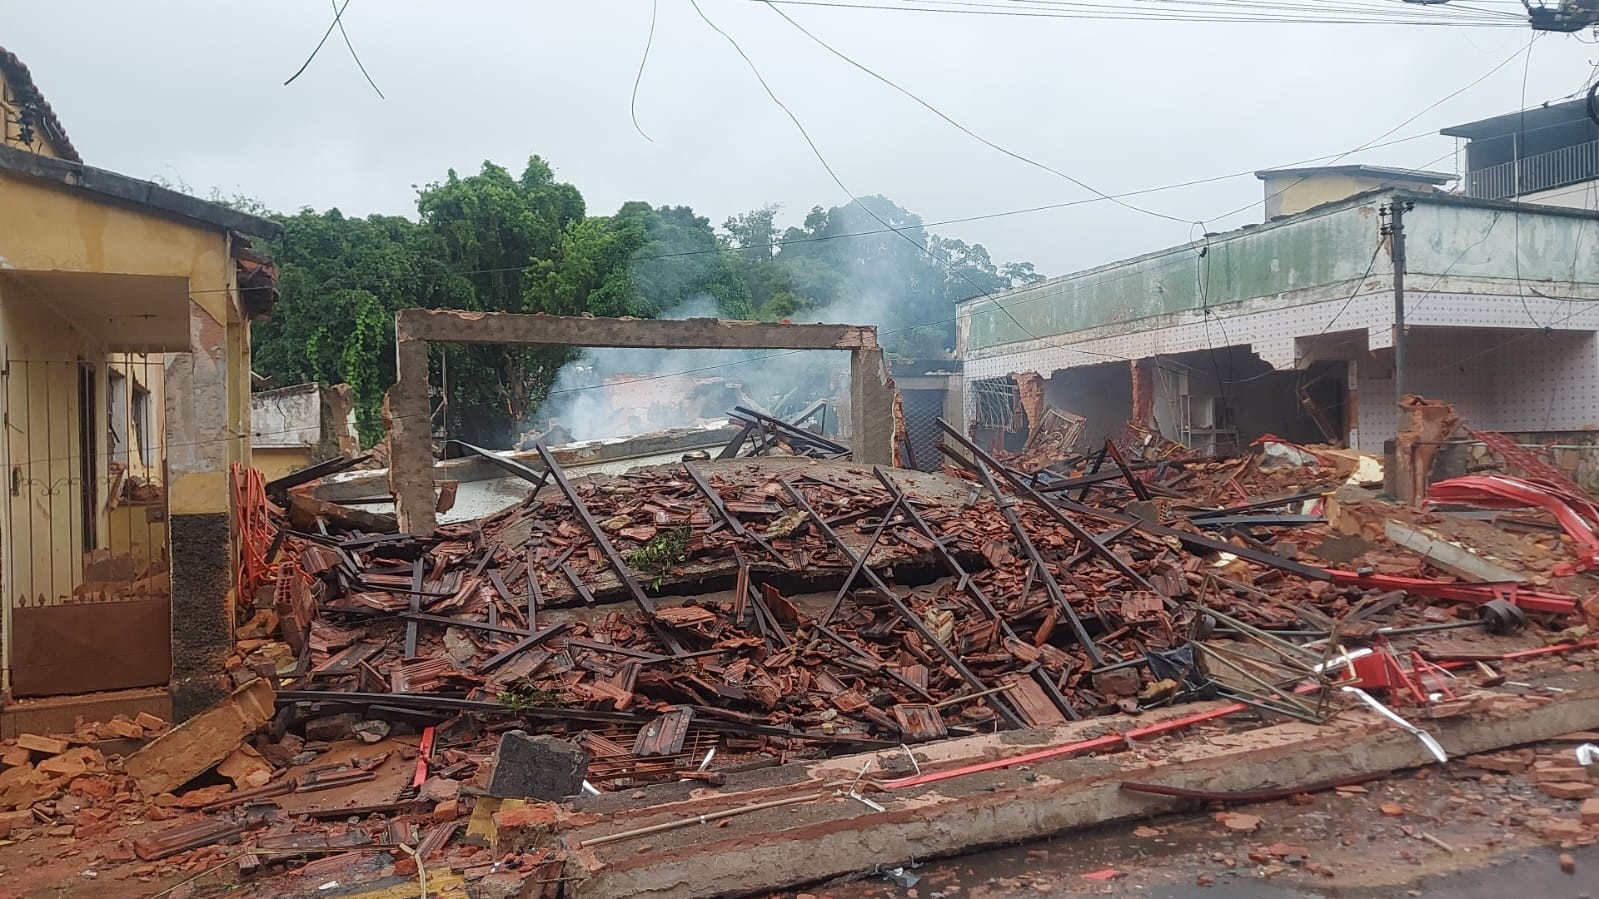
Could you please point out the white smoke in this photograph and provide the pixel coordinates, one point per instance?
(610, 393)
(620, 392)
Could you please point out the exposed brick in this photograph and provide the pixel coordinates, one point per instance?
(1566, 790)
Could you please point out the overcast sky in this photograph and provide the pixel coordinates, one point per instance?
(194, 92)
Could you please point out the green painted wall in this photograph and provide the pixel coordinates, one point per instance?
(1313, 257)
(1468, 242)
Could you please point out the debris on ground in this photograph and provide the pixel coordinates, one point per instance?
(438, 701)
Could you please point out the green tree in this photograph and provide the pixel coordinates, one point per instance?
(493, 242)
(484, 236)
(341, 280)
(641, 262)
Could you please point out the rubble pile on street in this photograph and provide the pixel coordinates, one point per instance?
(685, 622)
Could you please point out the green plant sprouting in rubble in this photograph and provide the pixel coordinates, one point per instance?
(523, 696)
(659, 553)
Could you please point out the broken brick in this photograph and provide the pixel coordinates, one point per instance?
(1566, 790)
(1238, 822)
(42, 745)
(1589, 813)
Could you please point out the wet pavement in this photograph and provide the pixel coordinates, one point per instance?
(1531, 874)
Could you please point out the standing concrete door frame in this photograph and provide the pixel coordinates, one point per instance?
(410, 416)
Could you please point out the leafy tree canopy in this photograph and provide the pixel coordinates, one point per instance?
(494, 242)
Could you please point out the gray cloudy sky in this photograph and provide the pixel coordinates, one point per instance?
(193, 91)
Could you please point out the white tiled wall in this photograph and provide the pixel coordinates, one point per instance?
(1500, 380)
(1488, 354)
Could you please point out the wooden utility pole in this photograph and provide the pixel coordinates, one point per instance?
(1394, 229)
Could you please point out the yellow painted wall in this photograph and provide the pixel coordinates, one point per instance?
(1299, 192)
(275, 462)
(52, 228)
(140, 531)
(11, 130)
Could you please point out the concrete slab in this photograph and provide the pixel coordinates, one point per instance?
(784, 847)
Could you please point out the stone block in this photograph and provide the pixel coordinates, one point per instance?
(537, 767)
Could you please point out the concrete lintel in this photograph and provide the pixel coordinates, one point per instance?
(407, 408)
(1452, 557)
(781, 848)
(455, 326)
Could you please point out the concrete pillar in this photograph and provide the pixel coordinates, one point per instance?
(871, 407)
(955, 402)
(410, 432)
(1352, 406)
(1424, 426)
(1143, 375)
(198, 446)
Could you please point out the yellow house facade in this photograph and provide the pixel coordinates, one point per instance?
(125, 361)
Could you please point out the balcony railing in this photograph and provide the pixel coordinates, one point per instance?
(1546, 171)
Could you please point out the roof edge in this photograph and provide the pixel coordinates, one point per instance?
(1363, 198)
(133, 191)
(1391, 172)
(24, 83)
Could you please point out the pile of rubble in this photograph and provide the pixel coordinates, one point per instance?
(686, 622)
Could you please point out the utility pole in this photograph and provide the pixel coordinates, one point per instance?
(1394, 229)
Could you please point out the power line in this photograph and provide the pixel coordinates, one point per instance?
(1369, 144)
(962, 128)
(318, 48)
(338, 22)
(649, 42)
(338, 19)
(947, 266)
(1243, 8)
(1427, 294)
(1520, 145)
(1049, 207)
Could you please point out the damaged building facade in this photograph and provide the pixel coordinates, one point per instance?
(1288, 327)
(293, 428)
(124, 311)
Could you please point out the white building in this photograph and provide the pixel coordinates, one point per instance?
(1288, 327)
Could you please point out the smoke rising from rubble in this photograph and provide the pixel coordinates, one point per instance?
(619, 392)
